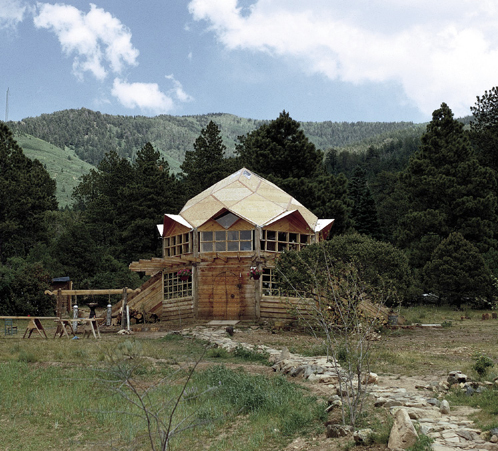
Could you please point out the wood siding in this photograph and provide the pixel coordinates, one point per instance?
(225, 291)
(280, 308)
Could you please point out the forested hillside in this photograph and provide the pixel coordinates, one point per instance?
(92, 134)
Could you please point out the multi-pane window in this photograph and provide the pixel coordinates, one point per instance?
(270, 286)
(274, 241)
(226, 241)
(175, 288)
(177, 245)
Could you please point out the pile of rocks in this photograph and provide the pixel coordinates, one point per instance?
(411, 410)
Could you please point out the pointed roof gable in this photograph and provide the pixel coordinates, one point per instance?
(246, 195)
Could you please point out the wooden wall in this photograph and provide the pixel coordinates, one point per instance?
(225, 291)
(280, 308)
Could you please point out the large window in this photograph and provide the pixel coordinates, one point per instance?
(177, 245)
(274, 241)
(270, 286)
(226, 241)
(175, 288)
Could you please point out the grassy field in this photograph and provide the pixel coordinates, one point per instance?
(64, 166)
(93, 394)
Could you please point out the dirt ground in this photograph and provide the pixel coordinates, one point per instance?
(405, 358)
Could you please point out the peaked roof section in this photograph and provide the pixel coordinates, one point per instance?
(247, 195)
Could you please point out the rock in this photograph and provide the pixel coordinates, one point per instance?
(456, 377)
(363, 436)
(285, 354)
(380, 402)
(403, 433)
(371, 378)
(335, 404)
(295, 372)
(445, 407)
(434, 402)
(494, 439)
(469, 391)
(494, 431)
(338, 430)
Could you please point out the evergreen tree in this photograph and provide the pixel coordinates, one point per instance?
(122, 203)
(152, 192)
(364, 212)
(281, 149)
(206, 164)
(27, 192)
(484, 128)
(447, 191)
(457, 272)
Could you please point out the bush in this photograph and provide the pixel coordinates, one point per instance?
(482, 364)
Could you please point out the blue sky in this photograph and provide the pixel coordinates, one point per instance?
(381, 60)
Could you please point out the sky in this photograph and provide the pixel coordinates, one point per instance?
(319, 60)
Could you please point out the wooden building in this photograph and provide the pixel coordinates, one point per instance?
(241, 222)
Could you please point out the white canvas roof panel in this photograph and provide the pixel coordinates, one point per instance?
(322, 223)
(246, 194)
(179, 219)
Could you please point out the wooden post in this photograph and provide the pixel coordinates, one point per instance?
(59, 304)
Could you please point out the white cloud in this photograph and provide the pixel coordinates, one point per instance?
(178, 91)
(445, 51)
(11, 13)
(146, 96)
(99, 41)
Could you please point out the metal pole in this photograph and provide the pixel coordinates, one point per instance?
(75, 316)
(108, 320)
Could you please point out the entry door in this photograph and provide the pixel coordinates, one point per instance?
(226, 295)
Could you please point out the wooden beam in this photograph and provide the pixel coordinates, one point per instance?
(91, 292)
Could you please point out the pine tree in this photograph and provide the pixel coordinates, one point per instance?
(457, 272)
(26, 192)
(206, 164)
(281, 149)
(364, 211)
(447, 191)
(484, 128)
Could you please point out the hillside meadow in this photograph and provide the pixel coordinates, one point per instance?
(69, 394)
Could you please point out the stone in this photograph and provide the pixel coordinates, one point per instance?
(403, 433)
(445, 407)
(434, 402)
(295, 372)
(456, 377)
(494, 439)
(338, 430)
(469, 391)
(493, 431)
(363, 436)
(371, 378)
(285, 354)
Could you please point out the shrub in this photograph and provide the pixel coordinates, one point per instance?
(482, 364)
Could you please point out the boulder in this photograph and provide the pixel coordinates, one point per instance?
(456, 377)
(444, 407)
(403, 433)
(363, 436)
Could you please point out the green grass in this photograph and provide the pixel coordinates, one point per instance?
(64, 166)
(486, 402)
(64, 394)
